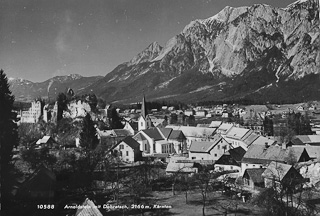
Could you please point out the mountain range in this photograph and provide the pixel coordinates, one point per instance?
(257, 53)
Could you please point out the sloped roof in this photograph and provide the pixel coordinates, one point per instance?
(306, 139)
(90, 209)
(45, 139)
(121, 132)
(181, 167)
(165, 132)
(251, 138)
(226, 159)
(224, 128)
(204, 146)
(277, 170)
(237, 133)
(153, 133)
(139, 137)
(134, 125)
(261, 140)
(313, 151)
(131, 142)
(203, 125)
(176, 135)
(215, 124)
(41, 179)
(194, 131)
(255, 174)
(237, 153)
(263, 154)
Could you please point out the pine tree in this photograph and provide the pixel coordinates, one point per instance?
(8, 127)
(8, 139)
(88, 136)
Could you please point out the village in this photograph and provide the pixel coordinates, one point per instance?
(237, 150)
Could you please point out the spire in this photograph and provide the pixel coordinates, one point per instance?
(144, 107)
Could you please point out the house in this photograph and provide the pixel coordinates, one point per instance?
(252, 178)
(176, 137)
(194, 133)
(224, 128)
(40, 185)
(280, 173)
(211, 149)
(236, 137)
(230, 160)
(46, 142)
(201, 113)
(259, 156)
(152, 141)
(88, 208)
(189, 112)
(131, 126)
(128, 150)
(112, 137)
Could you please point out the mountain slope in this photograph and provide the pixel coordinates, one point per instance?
(25, 90)
(236, 54)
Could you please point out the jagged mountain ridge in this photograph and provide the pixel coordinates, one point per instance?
(25, 90)
(216, 58)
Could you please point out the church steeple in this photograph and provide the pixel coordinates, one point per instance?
(144, 107)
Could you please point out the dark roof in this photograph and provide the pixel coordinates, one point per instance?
(237, 153)
(226, 159)
(177, 135)
(131, 142)
(134, 125)
(121, 132)
(153, 133)
(251, 138)
(255, 174)
(166, 132)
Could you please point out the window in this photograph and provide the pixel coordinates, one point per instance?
(193, 158)
(231, 167)
(254, 165)
(141, 124)
(215, 155)
(120, 153)
(218, 146)
(121, 147)
(246, 164)
(127, 153)
(145, 146)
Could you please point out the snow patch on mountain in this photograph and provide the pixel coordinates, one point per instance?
(165, 84)
(201, 89)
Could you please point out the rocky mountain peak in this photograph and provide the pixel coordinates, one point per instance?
(147, 54)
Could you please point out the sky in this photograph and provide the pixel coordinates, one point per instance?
(40, 39)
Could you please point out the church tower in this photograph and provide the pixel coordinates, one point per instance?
(144, 107)
(144, 121)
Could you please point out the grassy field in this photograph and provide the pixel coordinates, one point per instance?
(217, 204)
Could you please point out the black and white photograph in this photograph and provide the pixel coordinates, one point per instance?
(160, 107)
